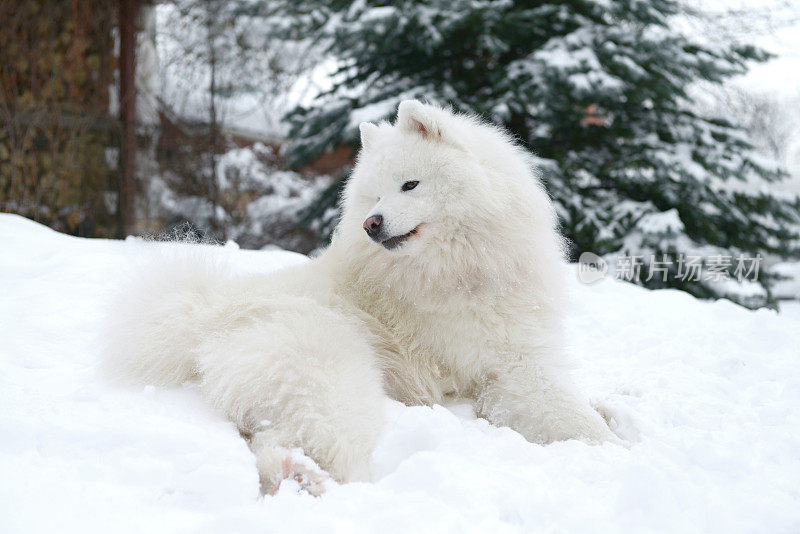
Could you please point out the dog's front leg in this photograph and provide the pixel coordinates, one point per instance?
(540, 403)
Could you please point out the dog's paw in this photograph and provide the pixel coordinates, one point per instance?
(305, 479)
(291, 471)
(620, 419)
(589, 425)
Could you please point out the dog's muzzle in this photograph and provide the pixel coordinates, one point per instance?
(376, 231)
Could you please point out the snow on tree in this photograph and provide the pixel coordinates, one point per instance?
(598, 89)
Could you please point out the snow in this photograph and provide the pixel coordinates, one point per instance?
(260, 202)
(707, 394)
(254, 70)
(777, 32)
(661, 223)
(374, 112)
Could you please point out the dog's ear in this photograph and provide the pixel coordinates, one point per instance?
(368, 132)
(415, 117)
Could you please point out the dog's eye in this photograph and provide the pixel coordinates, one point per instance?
(408, 186)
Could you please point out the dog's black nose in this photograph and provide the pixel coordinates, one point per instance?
(373, 225)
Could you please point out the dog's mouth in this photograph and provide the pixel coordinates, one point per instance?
(396, 241)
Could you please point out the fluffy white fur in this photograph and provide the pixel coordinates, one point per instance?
(470, 305)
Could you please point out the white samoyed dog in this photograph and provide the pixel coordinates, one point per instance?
(443, 279)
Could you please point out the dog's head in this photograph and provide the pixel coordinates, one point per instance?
(415, 181)
(444, 192)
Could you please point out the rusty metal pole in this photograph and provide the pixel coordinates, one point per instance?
(127, 114)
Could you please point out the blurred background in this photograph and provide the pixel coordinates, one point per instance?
(664, 129)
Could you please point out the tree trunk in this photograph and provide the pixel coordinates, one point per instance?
(211, 13)
(127, 115)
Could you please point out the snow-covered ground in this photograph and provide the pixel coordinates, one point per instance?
(708, 394)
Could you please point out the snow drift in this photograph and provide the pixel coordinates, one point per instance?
(708, 394)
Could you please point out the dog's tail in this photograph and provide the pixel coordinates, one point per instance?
(163, 313)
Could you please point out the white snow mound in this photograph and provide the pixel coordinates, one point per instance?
(708, 394)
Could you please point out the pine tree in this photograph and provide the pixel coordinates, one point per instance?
(599, 90)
